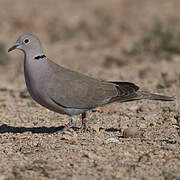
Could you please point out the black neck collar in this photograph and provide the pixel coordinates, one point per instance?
(39, 57)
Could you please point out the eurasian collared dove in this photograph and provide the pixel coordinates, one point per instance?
(68, 92)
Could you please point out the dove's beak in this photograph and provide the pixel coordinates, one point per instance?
(13, 47)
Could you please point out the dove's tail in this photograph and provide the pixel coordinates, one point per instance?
(129, 92)
(150, 96)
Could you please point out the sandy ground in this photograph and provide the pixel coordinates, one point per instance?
(89, 37)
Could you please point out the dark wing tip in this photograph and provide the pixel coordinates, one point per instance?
(126, 84)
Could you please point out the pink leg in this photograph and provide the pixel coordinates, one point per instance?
(69, 125)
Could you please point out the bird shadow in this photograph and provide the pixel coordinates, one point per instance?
(112, 130)
(11, 129)
(4, 128)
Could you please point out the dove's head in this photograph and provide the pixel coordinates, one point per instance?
(28, 43)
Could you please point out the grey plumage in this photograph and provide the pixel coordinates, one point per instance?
(69, 92)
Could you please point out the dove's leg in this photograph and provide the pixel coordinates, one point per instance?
(69, 125)
(83, 126)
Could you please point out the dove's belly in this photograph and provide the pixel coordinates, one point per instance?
(44, 100)
(40, 96)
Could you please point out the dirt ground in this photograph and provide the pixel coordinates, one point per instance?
(91, 37)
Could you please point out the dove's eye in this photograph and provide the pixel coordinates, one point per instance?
(26, 41)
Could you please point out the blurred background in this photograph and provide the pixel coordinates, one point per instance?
(117, 40)
(105, 39)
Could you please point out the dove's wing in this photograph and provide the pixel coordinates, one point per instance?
(71, 89)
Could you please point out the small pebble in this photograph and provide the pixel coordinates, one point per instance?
(131, 132)
(112, 140)
(93, 156)
(142, 126)
(95, 128)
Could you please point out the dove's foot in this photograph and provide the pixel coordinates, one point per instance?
(69, 125)
(73, 120)
(66, 127)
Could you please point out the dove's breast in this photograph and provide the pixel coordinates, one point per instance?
(38, 76)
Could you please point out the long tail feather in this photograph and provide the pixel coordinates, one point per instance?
(144, 95)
